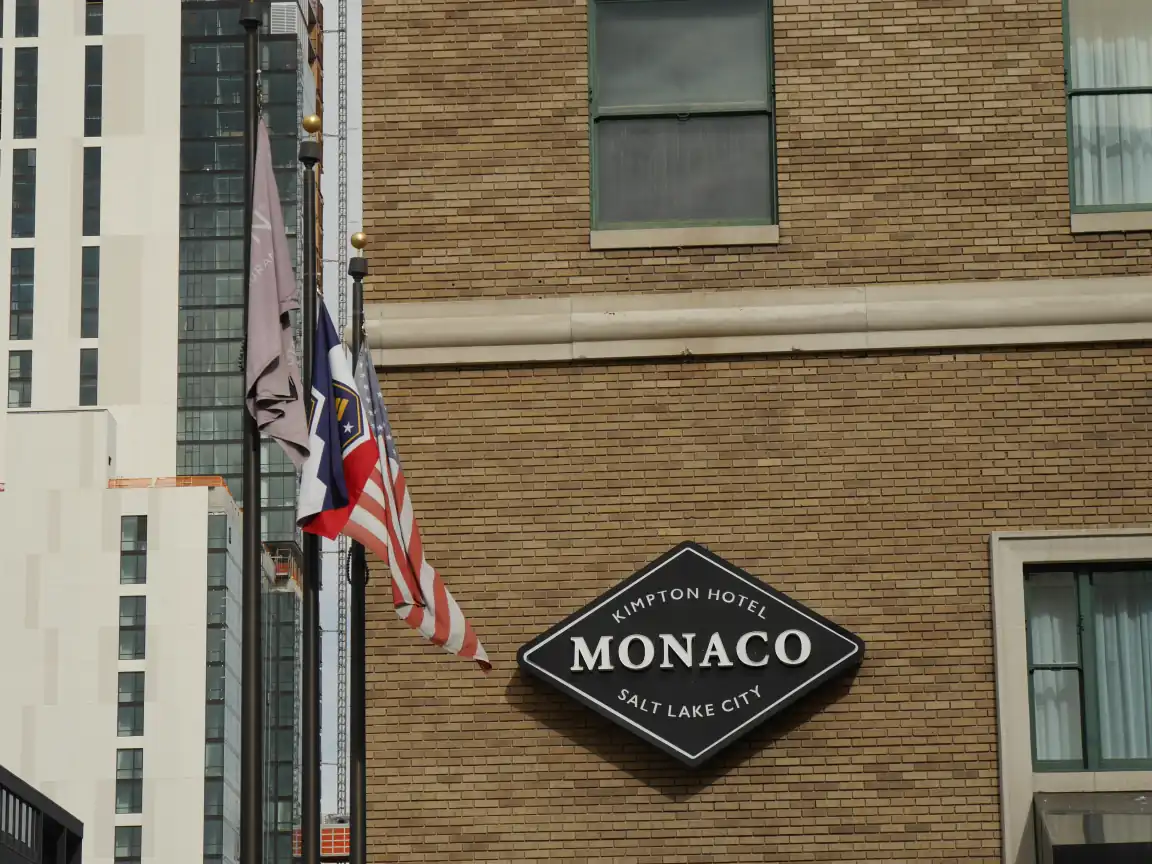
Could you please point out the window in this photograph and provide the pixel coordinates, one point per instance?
(27, 18)
(19, 379)
(130, 708)
(94, 19)
(132, 619)
(1109, 81)
(23, 193)
(91, 191)
(1090, 666)
(22, 271)
(24, 94)
(89, 374)
(129, 781)
(93, 89)
(681, 107)
(90, 292)
(127, 836)
(133, 550)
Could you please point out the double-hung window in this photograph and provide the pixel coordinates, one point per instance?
(1089, 632)
(682, 114)
(1109, 81)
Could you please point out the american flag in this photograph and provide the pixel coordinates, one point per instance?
(383, 521)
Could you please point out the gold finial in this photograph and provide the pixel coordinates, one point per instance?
(312, 124)
(359, 240)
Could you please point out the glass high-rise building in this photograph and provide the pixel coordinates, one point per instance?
(120, 438)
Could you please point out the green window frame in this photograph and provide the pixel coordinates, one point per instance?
(600, 114)
(1085, 578)
(1077, 95)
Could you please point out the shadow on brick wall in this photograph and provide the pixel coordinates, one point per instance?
(589, 731)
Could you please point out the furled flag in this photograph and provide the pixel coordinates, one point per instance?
(342, 448)
(272, 386)
(384, 522)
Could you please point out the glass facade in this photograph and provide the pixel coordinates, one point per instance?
(282, 631)
(222, 698)
(210, 396)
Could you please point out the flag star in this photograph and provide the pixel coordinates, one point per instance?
(348, 428)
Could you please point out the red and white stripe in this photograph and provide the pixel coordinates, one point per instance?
(419, 594)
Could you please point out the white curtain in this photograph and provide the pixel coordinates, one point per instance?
(1123, 618)
(1111, 140)
(1052, 625)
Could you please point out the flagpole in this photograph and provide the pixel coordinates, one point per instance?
(251, 659)
(311, 152)
(358, 576)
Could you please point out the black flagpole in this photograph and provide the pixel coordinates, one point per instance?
(358, 576)
(311, 153)
(252, 679)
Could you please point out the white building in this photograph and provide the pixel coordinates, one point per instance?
(120, 266)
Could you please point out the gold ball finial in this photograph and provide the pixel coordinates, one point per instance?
(312, 124)
(359, 240)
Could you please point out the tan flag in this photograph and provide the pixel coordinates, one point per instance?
(272, 376)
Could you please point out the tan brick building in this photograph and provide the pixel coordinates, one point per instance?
(858, 296)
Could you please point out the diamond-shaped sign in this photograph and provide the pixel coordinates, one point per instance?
(691, 653)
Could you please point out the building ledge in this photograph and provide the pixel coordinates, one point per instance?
(1111, 223)
(677, 238)
(877, 317)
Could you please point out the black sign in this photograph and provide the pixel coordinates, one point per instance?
(691, 653)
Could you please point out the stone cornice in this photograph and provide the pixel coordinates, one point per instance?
(876, 317)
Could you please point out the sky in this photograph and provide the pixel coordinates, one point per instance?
(329, 187)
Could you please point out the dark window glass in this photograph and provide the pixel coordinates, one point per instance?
(91, 191)
(133, 549)
(90, 292)
(89, 374)
(22, 293)
(132, 623)
(94, 18)
(24, 94)
(24, 193)
(129, 781)
(128, 837)
(27, 17)
(19, 379)
(93, 89)
(130, 707)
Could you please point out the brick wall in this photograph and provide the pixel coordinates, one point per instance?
(865, 486)
(919, 140)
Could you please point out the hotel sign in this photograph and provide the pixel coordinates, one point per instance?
(691, 653)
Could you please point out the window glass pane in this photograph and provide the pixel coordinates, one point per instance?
(681, 52)
(91, 216)
(22, 279)
(1111, 145)
(1122, 613)
(94, 21)
(131, 687)
(1110, 43)
(127, 840)
(27, 17)
(19, 379)
(23, 193)
(93, 89)
(130, 720)
(1056, 718)
(89, 374)
(704, 169)
(1053, 618)
(24, 94)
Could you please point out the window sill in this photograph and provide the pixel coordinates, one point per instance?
(1106, 223)
(704, 235)
(1092, 781)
